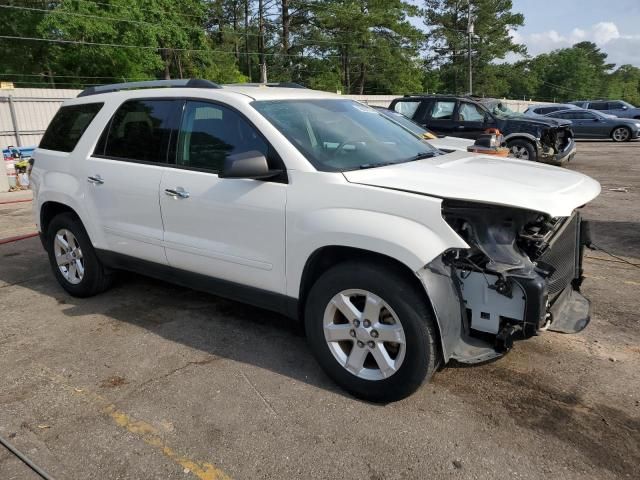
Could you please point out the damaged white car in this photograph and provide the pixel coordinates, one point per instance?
(397, 257)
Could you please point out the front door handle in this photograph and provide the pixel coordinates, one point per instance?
(95, 179)
(177, 192)
(460, 127)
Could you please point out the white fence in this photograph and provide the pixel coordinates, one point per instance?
(26, 112)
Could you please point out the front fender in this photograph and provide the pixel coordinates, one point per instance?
(400, 238)
(524, 136)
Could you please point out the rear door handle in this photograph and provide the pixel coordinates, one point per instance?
(177, 192)
(95, 179)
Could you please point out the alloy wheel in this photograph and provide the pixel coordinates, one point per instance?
(364, 334)
(68, 256)
(620, 134)
(519, 152)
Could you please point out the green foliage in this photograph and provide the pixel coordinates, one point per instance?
(352, 46)
(166, 39)
(447, 21)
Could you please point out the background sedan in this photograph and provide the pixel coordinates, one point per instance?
(593, 124)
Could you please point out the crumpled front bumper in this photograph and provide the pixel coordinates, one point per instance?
(549, 155)
(571, 312)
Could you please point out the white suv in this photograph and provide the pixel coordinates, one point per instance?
(396, 256)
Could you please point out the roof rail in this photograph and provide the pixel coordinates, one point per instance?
(115, 87)
(276, 85)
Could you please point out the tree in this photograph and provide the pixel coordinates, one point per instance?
(121, 40)
(447, 22)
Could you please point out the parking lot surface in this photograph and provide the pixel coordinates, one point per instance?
(153, 381)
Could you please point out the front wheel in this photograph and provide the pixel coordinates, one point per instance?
(621, 134)
(522, 149)
(371, 330)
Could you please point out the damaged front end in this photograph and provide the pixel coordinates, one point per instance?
(557, 144)
(522, 273)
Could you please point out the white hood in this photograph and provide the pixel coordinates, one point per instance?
(487, 179)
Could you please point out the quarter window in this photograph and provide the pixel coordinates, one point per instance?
(140, 130)
(407, 107)
(598, 105)
(210, 133)
(443, 110)
(68, 125)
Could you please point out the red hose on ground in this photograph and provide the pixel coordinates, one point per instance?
(19, 237)
(16, 201)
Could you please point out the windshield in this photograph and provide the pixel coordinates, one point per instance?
(338, 135)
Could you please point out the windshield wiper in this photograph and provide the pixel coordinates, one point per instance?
(374, 165)
(422, 155)
(419, 156)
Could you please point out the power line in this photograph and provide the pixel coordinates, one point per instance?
(124, 7)
(142, 22)
(153, 48)
(75, 14)
(64, 76)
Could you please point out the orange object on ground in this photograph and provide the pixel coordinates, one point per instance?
(498, 152)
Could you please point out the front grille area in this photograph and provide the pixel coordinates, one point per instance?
(563, 138)
(562, 255)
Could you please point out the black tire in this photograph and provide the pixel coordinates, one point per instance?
(96, 277)
(410, 305)
(621, 134)
(520, 145)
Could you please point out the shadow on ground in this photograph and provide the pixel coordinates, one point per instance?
(619, 238)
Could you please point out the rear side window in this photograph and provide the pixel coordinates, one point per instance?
(68, 125)
(615, 105)
(140, 130)
(599, 106)
(545, 110)
(210, 133)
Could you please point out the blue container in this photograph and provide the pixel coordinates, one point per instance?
(25, 152)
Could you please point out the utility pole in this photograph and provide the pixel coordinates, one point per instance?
(263, 60)
(470, 22)
(246, 37)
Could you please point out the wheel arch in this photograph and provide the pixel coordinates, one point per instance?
(326, 257)
(613, 129)
(49, 210)
(527, 137)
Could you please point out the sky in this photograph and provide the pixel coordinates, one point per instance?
(614, 25)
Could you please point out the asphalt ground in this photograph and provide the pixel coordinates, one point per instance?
(153, 381)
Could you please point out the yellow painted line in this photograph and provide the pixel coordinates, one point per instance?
(147, 432)
(204, 471)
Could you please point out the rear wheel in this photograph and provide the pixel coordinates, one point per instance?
(621, 134)
(522, 149)
(371, 330)
(73, 260)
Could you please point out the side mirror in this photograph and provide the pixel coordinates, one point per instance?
(624, 107)
(252, 164)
